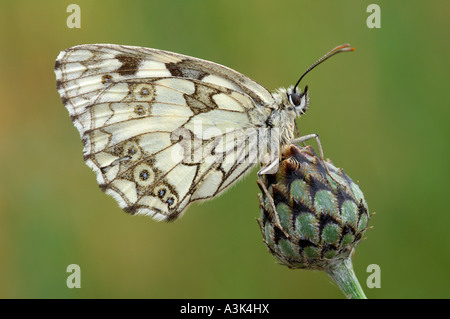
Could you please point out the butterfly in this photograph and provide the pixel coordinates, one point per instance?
(162, 130)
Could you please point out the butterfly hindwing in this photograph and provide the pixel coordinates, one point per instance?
(138, 110)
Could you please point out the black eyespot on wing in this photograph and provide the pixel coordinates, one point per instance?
(106, 79)
(144, 175)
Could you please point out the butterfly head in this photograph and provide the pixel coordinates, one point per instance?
(297, 101)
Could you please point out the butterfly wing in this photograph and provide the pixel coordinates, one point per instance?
(156, 125)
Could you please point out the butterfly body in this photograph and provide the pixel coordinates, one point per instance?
(162, 130)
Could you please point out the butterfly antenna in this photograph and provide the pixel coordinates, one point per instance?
(336, 50)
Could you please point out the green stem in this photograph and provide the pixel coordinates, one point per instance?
(343, 275)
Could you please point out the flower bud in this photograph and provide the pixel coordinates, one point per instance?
(312, 216)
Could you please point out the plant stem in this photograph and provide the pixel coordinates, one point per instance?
(343, 275)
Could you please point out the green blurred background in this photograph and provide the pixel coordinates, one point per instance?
(382, 114)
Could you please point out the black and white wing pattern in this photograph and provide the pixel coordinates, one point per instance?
(156, 125)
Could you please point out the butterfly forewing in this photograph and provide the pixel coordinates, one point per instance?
(138, 110)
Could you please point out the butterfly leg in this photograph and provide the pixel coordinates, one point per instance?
(272, 168)
(305, 138)
(272, 203)
(308, 137)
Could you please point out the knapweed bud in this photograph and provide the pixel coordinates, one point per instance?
(312, 216)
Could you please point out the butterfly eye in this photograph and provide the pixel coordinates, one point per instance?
(295, 99)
